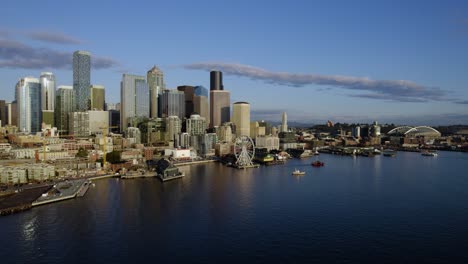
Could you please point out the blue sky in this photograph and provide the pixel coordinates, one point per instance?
(400, 62)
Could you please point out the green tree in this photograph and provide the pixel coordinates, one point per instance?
(82, 153)
(114, 157)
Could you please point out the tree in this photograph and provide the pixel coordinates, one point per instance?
(114, 157)
(82, 153)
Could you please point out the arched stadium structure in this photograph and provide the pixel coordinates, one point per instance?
(419, 131)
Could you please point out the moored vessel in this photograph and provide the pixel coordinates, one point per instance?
(298, 172)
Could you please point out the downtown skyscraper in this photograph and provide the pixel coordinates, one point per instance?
(28, 98)
(47, 81)
(82, 79)
(65, 104)
(220, 100)
(241, 118)
(155, 79)
(134, 99)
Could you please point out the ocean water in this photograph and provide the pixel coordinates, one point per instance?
(405, 209)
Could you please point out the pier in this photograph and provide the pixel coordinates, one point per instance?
(63, 191)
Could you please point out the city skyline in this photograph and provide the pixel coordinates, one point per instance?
(401, 63)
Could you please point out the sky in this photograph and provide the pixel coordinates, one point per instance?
(402, 62)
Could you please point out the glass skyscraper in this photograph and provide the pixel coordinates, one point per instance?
(47, 81)
(155, 78)
(173, 103)
(28, 98)
(82, 79)
(65, 104)
(134, 99)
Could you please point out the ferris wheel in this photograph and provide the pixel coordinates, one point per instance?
(244, 149)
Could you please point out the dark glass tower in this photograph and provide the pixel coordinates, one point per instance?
(216, 80)
(82, 79)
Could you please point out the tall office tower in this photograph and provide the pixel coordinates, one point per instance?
(189, 92)
(220, 110)
(98, 96)
(64, 105)
(47, 81)
(134, 99)
(82, 79)
(284, 123)
(200, 103)
(12, 113)
(173, 103)
(155, 78)
(173, 128)
(196, 125)
(3, 113)
(28, 98)
(216, 80)
(241, 118)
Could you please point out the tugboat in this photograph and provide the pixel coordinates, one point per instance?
(298, 172)
(317, 163)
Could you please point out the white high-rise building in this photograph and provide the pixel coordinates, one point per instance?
(241, 118)
(284, 123)
(134, 98)
(196, 125)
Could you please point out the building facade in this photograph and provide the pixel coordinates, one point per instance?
(216, 80)
(241, 118)
(134, 98)
(173, 103)
(65, 103)
(196, 125)
(155, 78)
(82, 79)
(28, 98)
(47, 81)
(98, 97)
(220, 110)
(201, 103)
(78, 124)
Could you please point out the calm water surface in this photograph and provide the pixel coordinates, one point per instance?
(406, 209)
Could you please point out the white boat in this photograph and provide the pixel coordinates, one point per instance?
(429, 153)
(298, 172)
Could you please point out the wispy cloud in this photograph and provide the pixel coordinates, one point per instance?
(395, 90)
(461, 102)
(53, 37)
(14, 54)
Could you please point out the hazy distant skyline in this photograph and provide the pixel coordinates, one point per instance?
(346, 61)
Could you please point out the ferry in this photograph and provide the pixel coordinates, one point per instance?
(298, 172)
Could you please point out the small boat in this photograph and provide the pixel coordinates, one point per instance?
(429, 153)
(298, 172)
(389, 153)
(318, 163)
